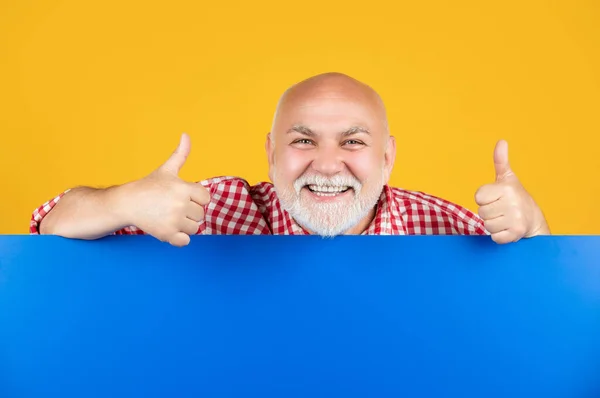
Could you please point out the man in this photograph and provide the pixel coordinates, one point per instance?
(330, 158)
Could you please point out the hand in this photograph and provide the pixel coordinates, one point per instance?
(508, 211)
(165, 206)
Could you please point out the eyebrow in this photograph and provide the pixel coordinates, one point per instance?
(298, 128)
(355, 130)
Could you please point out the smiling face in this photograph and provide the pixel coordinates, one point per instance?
(330, 154)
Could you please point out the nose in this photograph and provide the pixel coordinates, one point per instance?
(328, 162)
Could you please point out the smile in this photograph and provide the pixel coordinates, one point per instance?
(322, 190)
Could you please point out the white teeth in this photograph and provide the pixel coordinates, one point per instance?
(326, 193)
(326, 189)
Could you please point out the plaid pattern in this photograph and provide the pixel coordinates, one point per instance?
(236, 208)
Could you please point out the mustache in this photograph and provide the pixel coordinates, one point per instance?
(335, 181)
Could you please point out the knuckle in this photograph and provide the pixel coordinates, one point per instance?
(518, 215)
(487, 226)
(175, 211)
(478, 195)
(520, 230)
(508, 190)
(481, 212)
(182, 191)
(172, 220)
(204, 195)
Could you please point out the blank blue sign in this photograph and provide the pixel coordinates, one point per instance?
(297, 316)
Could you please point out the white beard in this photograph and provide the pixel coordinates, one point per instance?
(328, 219)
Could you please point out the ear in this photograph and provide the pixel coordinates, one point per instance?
(389, 158)
(270, 149)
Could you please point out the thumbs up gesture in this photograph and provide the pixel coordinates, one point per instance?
(508, 211)
(165, 206)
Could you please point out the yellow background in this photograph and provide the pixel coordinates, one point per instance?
(98, 93)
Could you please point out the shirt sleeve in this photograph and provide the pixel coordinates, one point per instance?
(454, 219)
(232, 209)
(41, 212)
(465, 222)
(425, 214)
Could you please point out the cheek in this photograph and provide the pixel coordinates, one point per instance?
(291, 163)
(365, 165)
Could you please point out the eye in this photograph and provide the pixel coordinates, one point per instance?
(303, 141)
(353, 142)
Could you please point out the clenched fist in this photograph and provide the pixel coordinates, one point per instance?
(165, 206)
(508, 211)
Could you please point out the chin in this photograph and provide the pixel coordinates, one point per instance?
(318, 224)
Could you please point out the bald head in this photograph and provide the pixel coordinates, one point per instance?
(330, 89)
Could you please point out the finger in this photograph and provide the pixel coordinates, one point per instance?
(179, 156)
(491, 210)
(190, 227)
(488, 193)
(195, 212)
(501, 164)
(180, 239)
(503, 237)
(199, 194)
(497, 224)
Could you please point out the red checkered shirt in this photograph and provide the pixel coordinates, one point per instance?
(236, 208)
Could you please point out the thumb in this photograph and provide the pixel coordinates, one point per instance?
(501, 164)
(179, 156)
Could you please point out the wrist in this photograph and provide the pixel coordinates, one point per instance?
(540, 225)
(118, 199)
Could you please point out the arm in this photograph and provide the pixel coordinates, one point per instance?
(161, 204)
(85, 213)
